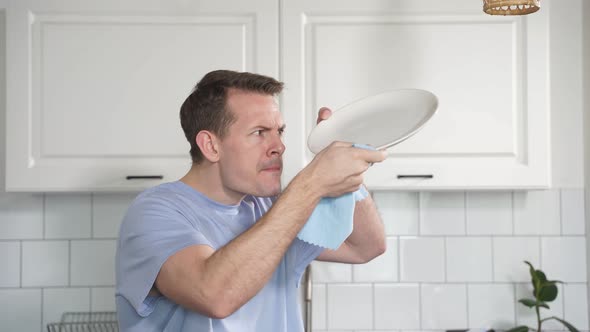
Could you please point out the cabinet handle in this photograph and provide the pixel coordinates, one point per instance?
(144, 177)
(415, 176)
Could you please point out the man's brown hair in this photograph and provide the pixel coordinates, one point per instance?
(205, 108)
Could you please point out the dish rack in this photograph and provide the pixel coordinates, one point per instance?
(99, 321)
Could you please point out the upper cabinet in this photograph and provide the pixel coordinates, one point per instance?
(94, 87)
(490, 74)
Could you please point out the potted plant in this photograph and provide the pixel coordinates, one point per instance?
(543, 291)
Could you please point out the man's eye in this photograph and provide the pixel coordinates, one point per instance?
(281, 131)
(257, 132)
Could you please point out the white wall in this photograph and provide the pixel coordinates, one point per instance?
(565, 77)
(586, 106)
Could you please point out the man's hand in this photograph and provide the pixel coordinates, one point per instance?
(338, 169)
(323, 114)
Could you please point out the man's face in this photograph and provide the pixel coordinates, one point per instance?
(250, 155)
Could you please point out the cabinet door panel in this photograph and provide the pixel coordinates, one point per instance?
(132, 76)
(94, 88)
(489, 74)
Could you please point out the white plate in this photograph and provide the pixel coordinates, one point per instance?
(381, 120)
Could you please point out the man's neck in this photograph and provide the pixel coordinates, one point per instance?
(205, 179)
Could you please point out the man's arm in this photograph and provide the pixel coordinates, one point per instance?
(216, 283)
(367, 239)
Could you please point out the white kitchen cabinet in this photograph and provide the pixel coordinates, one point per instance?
(490, 75)
(94, 87)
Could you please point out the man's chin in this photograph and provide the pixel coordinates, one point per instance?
(269, 192)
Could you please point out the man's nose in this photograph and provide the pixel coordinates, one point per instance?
(277, 146)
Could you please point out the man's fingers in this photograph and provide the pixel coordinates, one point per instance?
(341, 144)
(372, 156)
(323, 114)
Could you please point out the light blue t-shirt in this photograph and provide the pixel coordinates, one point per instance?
(172, 216)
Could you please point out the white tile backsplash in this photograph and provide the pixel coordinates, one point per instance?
(108, 211)
(102, 299)
(93, 262)
(382, 268)
(331, 272)
(10, 263)
(67, 216)
(56, 301)
(21, 216)
(537, 212)
(572, 212)
(488, 213)
(564, 258)
(422, 259)
(469, 259)
(397, 306)
(45, 263)
(399, 212)
(21, 310)
(443, 306)
(491, 306)
(442, 213)
(509, 256)
(350, 306)
(576, 305)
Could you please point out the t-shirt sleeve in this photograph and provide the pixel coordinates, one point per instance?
(152, 230)
(306, 253)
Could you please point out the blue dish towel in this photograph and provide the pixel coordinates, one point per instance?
(331, 222)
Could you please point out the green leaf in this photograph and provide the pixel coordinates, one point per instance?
(533, 303)
(531, 269)
(541, 276)
(528, 302)
(548, 292)
(538, 280)
(566, 324)
(534, 278)
(552, 282)
(521, 328)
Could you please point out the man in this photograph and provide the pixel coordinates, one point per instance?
(217, 250)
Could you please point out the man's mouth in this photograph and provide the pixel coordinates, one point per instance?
(275, 167)
(272, 169)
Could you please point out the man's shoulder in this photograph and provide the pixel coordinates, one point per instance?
(161, 204)
(163, 196)
(165, 190)
(161, 189)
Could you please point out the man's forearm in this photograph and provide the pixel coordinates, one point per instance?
(241, 268)
(368, 236)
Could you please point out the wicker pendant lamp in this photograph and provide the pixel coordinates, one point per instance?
(511, 7)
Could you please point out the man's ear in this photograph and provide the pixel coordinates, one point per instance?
(207, 142)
